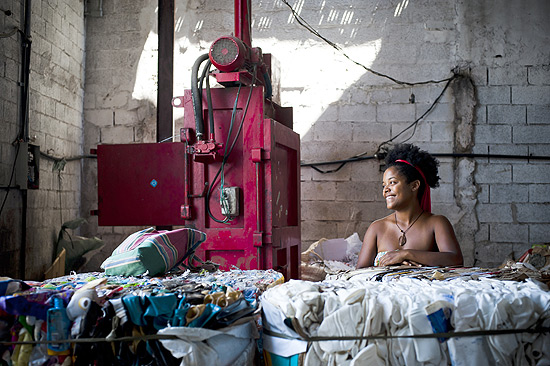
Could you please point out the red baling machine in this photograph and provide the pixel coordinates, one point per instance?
(235, 174)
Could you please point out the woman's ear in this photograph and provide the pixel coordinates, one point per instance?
(415, 185)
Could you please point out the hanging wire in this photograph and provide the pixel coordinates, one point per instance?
(10, 33)
(222, 166)
(307, 26)
(379, 151)
(413, 125)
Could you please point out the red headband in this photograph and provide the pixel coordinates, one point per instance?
(426, 201)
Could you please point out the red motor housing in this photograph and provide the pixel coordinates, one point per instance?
(228, 53)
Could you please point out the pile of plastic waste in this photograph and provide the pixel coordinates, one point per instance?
(92, 318)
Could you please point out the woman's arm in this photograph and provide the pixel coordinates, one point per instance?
(449, 250)
(368, 249)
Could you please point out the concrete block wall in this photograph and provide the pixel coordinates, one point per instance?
(11, 215)
(515, 210)
(500, 106)
(342, 111)
(56, 92)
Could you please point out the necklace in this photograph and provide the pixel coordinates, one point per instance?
(403, 238)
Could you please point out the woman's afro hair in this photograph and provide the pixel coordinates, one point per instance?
(419, 158)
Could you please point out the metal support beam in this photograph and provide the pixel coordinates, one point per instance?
(165, 70)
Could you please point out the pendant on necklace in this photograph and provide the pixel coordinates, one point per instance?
(402, 239)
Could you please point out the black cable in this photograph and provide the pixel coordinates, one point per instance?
(268, 87)
(452, 334)
(209, 101)
(209, 191)
(26, 53)
(228, 152)
(205, 75)
(415, 123)
(494, 156)
(196, 97)
(381, 155)
(341, 162)
(306, 25)
(467, 333)
(245, 110)
(378, 150)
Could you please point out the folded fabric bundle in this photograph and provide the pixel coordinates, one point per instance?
(408, 307)
(152, 252)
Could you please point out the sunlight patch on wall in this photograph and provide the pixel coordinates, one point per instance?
(314, 74)
(185, 55)
(311, 73)
(298, 8)
(146, 85)
(400, 7)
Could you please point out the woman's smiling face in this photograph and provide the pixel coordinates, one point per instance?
(396, 191)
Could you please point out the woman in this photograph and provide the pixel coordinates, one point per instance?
(412, 234)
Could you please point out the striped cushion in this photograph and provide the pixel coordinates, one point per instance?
(152, 252)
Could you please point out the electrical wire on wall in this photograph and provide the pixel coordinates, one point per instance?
(59, 166)
(307, 26)
(382, 148)
(16, 143)
(413, 125)
(380, 151)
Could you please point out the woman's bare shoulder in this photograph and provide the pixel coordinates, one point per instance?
(381, 224)
(438, 219)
